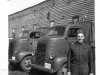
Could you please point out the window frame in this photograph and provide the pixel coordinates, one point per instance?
(76, 32)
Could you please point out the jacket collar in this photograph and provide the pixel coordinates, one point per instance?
(77, 43)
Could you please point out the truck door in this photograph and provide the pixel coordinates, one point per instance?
(33, 37)
(71, 35)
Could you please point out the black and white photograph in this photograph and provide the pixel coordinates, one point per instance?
(51, 37)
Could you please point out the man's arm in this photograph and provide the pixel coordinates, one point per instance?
(90, 60)
(68, 60)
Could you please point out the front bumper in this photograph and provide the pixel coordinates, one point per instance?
(12, 61)
(41, 68)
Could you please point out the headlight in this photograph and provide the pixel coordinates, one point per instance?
(16, 52)
(33, 53)
(51, 56)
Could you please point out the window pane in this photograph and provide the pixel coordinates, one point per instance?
(56, 31)
(23, 34)
(35, 35)
(72, 32)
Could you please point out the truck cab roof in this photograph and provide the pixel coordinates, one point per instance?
(69, 25)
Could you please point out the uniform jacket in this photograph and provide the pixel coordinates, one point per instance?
(80, 53)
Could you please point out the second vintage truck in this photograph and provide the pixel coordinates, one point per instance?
(22, 48)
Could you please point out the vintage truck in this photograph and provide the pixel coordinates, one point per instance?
(52, 49)
(21, 48)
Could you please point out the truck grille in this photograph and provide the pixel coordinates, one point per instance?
(41, 51)
(11, 46)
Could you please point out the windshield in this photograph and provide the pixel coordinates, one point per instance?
(56, 31)
(23, 34)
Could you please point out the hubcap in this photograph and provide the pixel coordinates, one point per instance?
(28, 61)
(64, 71)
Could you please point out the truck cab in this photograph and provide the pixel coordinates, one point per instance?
(52, 49)
(22, 47)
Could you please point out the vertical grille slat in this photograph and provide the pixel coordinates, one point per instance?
(11, 46)
(41, 51)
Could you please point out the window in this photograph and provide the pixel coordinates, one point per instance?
(72, 32)
(56, 31)
(23, 34)
(35, 35)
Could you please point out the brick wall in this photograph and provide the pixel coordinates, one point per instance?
(29, 17)
(59, 10)
(63, 10)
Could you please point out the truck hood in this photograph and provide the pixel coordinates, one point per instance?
(17, 41)
(49, 39)
(16, 45)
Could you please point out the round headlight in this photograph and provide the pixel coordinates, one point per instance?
(51, 56)
(16, 52)
(33, 53)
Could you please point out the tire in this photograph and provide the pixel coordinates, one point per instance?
(62, 70)
(24, 63)
(11, 65)
(32, 72)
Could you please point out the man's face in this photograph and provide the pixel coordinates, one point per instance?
(80, 37)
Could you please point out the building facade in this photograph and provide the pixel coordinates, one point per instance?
(61, 11)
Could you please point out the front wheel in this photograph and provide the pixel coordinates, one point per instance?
(62, 70)
(12, 66)
(24, 63)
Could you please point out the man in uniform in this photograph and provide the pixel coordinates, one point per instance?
(80, 57)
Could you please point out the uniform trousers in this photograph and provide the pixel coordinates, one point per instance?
(80, 69)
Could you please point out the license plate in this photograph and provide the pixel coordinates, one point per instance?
(13, 58)
(47, 65)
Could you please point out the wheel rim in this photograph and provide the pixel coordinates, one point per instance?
(27, 61)
(63, 71)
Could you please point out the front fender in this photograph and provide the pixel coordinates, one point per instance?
(58, 62)
(22, 54)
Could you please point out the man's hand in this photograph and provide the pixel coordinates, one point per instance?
(68, 73)
(91, 74)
